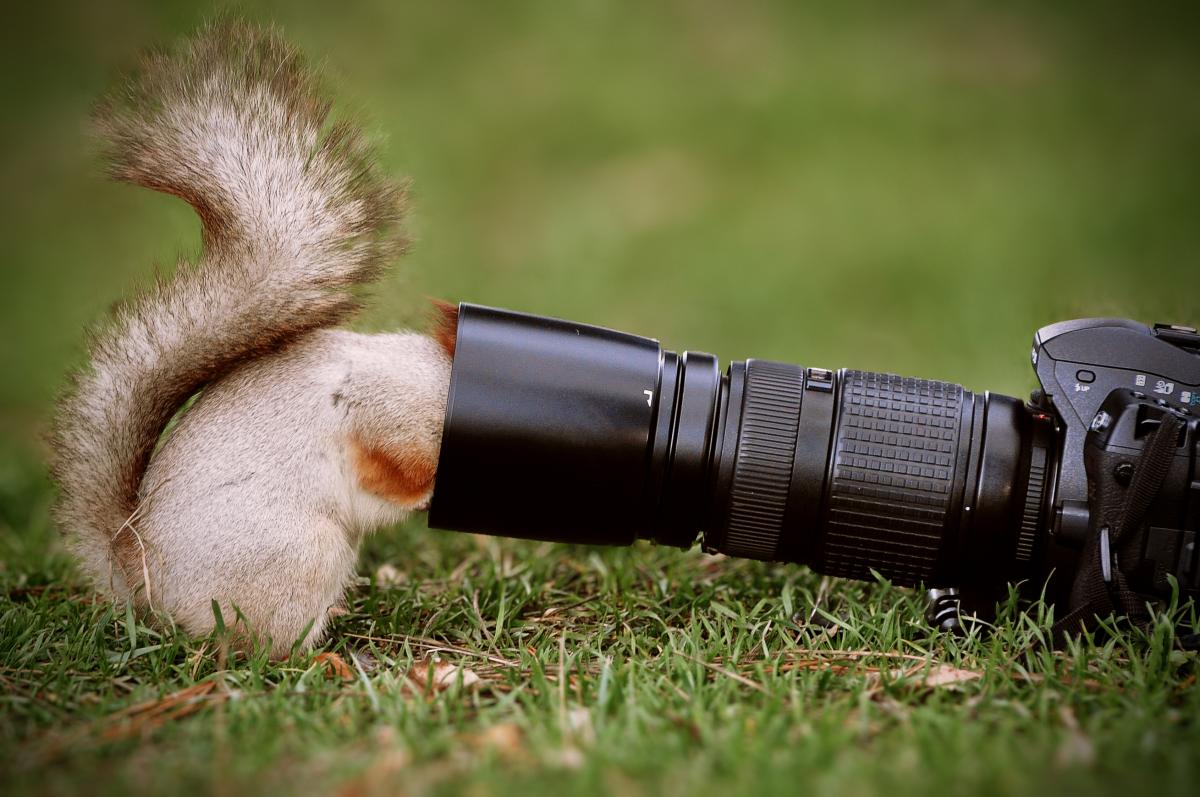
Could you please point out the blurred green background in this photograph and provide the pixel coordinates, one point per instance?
(908, 187)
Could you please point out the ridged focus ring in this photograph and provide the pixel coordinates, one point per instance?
(763, 468)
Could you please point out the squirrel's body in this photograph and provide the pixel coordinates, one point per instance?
(269, 482)
(302, 438)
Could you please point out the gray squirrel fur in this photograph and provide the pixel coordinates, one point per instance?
(303, 438)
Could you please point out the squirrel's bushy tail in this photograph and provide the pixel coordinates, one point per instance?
(294, 214)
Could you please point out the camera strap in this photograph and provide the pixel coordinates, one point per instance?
(1101, 588)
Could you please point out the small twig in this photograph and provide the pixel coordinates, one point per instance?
(835, 655)
(822, 591)
(435, 646)
(562, 681)
(553, 610)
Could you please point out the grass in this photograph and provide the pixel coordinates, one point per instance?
(838, 185)
(523, 668)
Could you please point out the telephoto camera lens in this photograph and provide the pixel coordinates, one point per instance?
(566, 432)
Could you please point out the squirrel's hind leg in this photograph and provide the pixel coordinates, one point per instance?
(275, 588)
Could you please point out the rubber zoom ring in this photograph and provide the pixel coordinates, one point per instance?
(893, 489)
(762, 472)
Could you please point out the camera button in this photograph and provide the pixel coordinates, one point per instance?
(1085, 376)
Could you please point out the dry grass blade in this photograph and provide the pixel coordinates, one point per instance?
(136, 720)
(151, 714)
(435, 646)
(817, 654)
(1088, 683)
(741, 679)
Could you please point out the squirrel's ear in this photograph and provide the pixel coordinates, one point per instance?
(445, 325)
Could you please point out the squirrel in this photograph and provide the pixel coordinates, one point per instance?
(226, 445)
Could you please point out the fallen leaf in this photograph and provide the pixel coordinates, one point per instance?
(437, 676)
(942, 675)
(335, 666)
(945, 675)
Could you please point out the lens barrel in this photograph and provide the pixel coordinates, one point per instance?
(548, 430)
(567, 432)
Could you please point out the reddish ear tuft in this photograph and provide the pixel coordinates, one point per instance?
(445, 325)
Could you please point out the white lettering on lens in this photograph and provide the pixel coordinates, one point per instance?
(649, 397)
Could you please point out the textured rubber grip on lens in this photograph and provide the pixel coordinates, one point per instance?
(894, 467)
(763, 470)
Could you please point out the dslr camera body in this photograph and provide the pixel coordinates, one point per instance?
(1088, 494)
(1125, 401)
